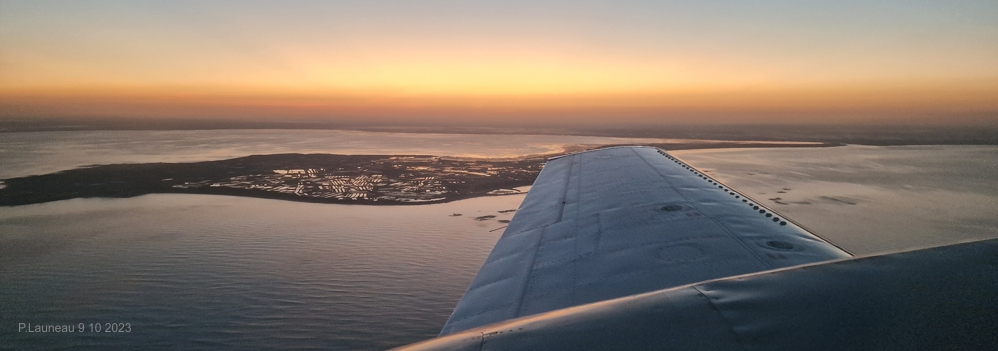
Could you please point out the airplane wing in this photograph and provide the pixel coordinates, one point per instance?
(614, 222)
(631, 248)
(941, 298)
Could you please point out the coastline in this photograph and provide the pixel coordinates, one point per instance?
(319, 178)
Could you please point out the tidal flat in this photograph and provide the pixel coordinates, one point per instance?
(870, 199)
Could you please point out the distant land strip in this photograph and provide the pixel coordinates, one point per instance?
(885, 134)
(324, 178)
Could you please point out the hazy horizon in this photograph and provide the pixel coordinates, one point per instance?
(855, 133)
(439, 62)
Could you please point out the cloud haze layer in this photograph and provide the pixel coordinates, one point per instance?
(441, 61)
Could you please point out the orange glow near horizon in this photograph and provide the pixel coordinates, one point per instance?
(257, 64)
(810, 104)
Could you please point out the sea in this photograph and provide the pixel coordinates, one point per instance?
(233, 273)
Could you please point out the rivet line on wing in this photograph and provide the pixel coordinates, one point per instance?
(731, 192)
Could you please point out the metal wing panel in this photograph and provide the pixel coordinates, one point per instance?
(613, 222)
(941, 298)
(547, 201)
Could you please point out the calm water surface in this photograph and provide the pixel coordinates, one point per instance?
(24, 154)
(870, 199)
(216, 272)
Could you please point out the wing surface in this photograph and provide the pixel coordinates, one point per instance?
(941, 298)
(614, 222)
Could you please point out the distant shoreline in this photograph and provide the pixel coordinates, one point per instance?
(326, 178)
(896, 134)
(316, 178)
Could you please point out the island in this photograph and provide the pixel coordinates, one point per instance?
(327, 178)
(367, 179)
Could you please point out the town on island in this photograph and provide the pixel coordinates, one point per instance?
(327, 178)
(367, 179)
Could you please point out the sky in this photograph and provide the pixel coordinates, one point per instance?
(653, 62)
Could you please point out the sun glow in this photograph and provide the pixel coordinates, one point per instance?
(464, 62)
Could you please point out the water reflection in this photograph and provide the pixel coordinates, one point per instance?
(870, 199)
(193, 271)
(46, 152)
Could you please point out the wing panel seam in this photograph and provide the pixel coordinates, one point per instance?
(667, 181)
(530, 275)
(727, 322)
(564, 195)
(744, 244)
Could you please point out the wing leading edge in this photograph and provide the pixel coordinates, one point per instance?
(615, 222)
(941, 298)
